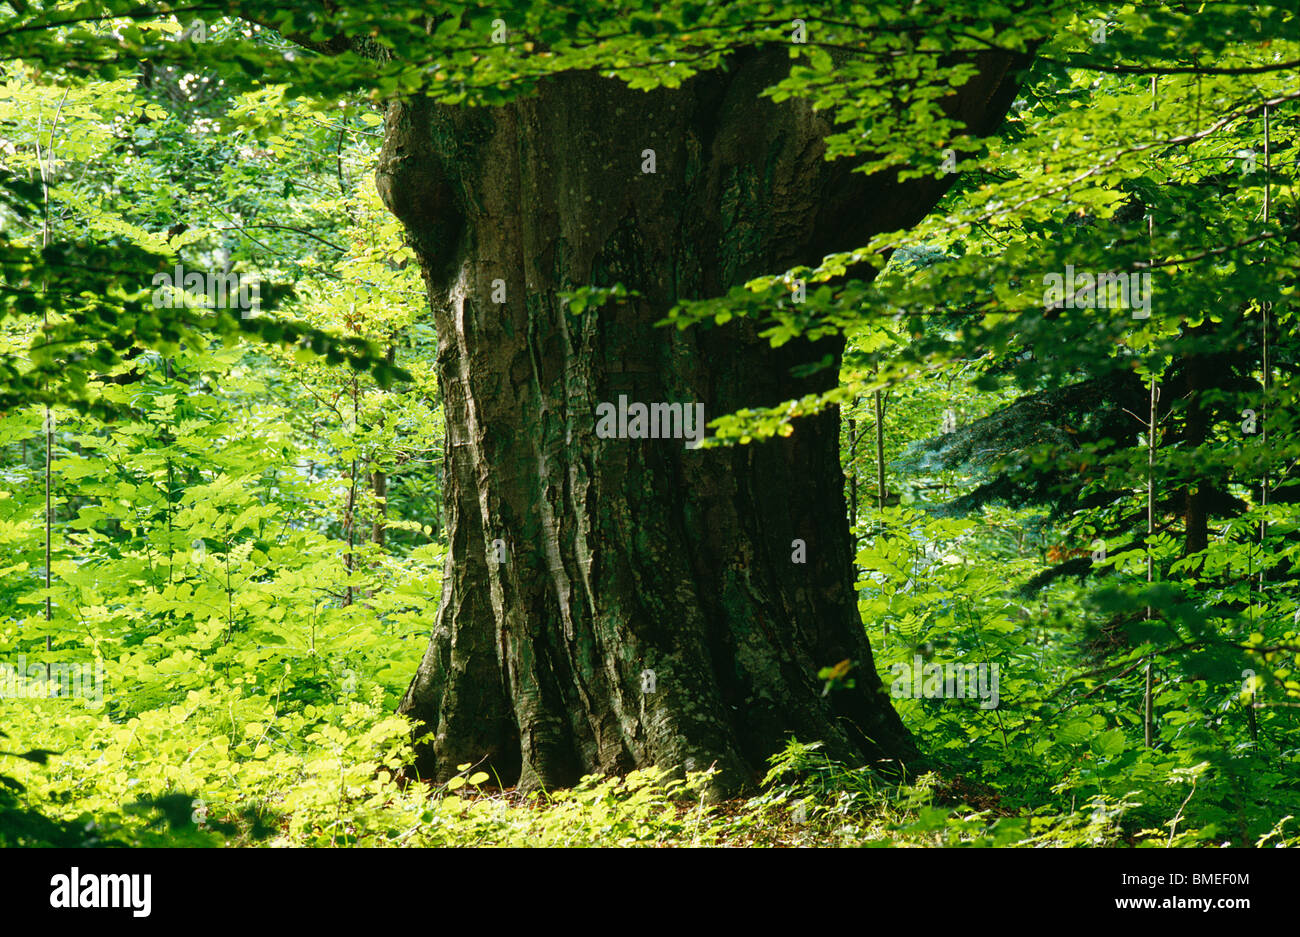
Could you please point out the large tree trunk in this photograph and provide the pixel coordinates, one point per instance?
(623, 556)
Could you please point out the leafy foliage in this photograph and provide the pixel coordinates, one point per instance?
(245, 534)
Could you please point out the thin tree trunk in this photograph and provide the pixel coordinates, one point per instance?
(880, 451)
(1148, 692)
(1148, 721)
(853, 476)
(379, 485)
(350, 510)
(1265, 365)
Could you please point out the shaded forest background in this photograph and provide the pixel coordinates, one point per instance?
(245, 522)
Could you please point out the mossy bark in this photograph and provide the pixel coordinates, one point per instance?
(623, 556)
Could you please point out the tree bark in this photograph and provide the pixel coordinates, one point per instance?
(379, 485)
(616, 603)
